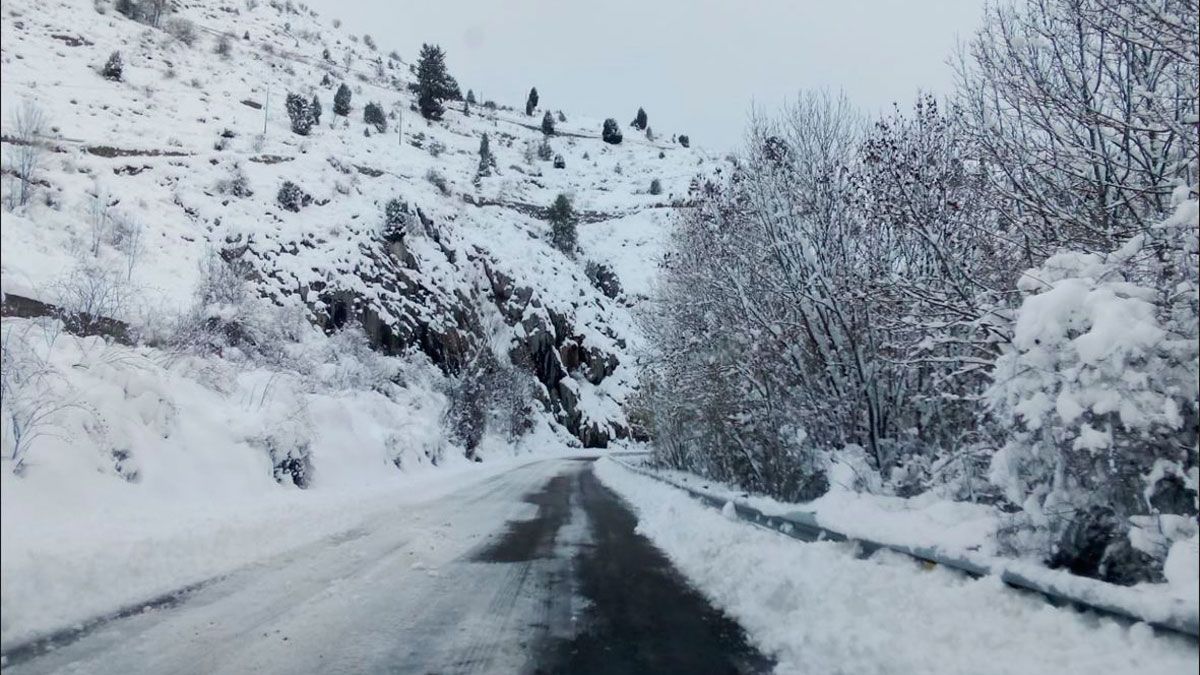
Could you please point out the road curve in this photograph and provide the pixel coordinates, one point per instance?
(538, 570)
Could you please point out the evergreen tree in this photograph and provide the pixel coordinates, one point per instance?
(487, 162)
(684, 140)
(611, 132)
(434, 83)
(373, 115)
(562, 224)
(548, 124)
(114, 68)
(640, 121)
(315, 109)
(471, 96)
(299, 113)
(531, 102)
(341, 100)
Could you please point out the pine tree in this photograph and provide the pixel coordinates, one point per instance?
(487, 162)
(640, 121)
(611, 132)
(299, 113)
(471, 96)
(548, 124)
(341, 100)
(373, 115)
(114, 68)
(315, 109)
(434, 83)
(562, 225)
(531, 102)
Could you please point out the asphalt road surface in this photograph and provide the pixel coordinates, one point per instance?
(537, 570)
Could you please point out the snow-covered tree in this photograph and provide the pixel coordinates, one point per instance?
(531, 102)
(341, 100)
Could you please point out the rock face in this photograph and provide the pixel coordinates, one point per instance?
(402, 310)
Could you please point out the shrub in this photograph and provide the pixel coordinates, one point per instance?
(544, 151)
(439, 181)
(300, 113)
(395, 217)
(684, 140)
(181, 29)
(373, 115)
(236, 185)
(656, 187)
(114, 68)
(611, 132)
(224, 47)
(291, 197)
(560, 162)
(436, 148)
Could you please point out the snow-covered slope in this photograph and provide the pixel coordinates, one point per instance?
(148, 184)
(157, 146)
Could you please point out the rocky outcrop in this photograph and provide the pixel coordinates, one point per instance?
(382, 288)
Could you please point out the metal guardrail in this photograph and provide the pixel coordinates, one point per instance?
(803, 526)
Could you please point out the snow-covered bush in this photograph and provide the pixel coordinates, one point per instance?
(236, 184)
(300, 113)
(114, 67)
(292, 197)
(1099, 387)
(437, 180)
(181, 29)
(373, 115)
(611, 132)
(32, 394)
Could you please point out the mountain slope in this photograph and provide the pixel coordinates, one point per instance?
(160, 146)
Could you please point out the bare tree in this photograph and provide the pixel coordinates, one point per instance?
(1085, 115)
(24, 155)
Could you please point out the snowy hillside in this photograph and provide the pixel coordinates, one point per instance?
(255, 345)
(159, 150)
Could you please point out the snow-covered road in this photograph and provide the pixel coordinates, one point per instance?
(537, 569)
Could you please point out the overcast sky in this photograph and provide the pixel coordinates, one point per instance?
(695, 65)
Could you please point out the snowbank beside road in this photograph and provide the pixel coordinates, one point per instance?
(819, 609)
(157, 470)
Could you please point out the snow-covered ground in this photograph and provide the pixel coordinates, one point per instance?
(967, 531)
(155, 465)
(820, 609)
(158, 474)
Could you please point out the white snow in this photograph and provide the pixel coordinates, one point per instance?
(819, 609)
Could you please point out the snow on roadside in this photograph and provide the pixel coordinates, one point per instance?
(819, 609)
(967, 531)
(158, 473)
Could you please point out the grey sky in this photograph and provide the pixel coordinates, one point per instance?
(695, 65)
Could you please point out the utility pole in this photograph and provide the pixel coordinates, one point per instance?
(400, 126)
(266, 111)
